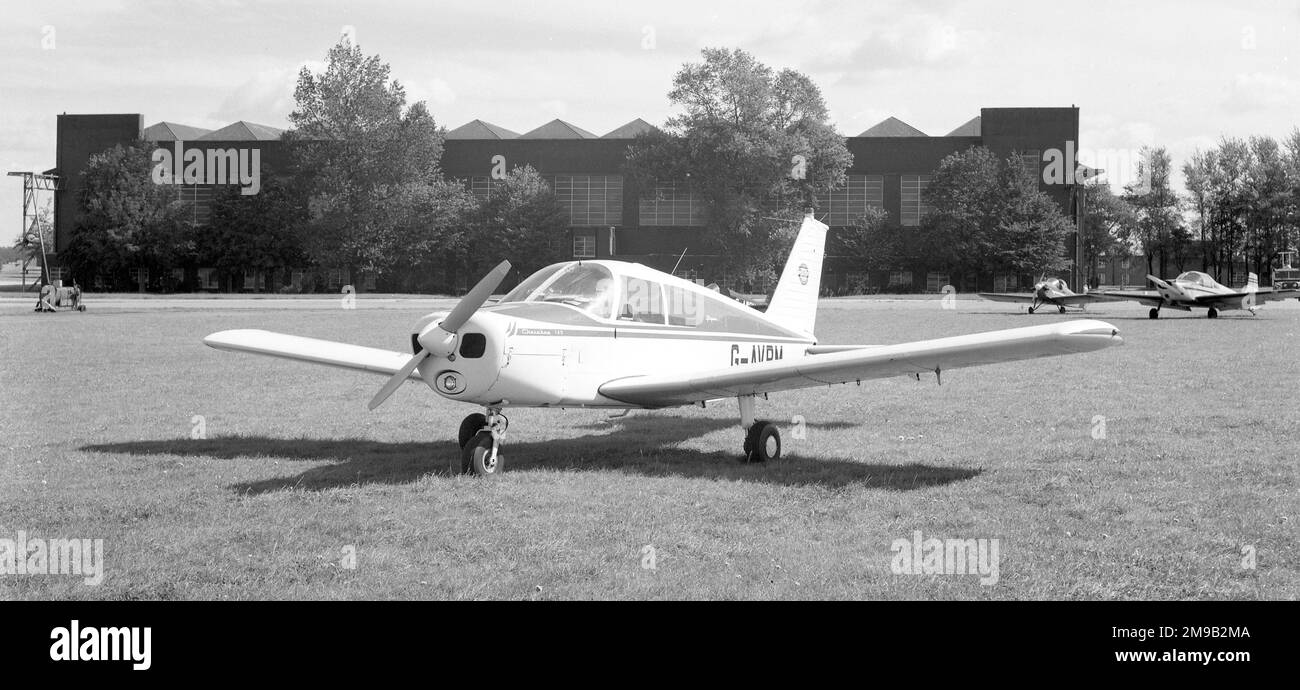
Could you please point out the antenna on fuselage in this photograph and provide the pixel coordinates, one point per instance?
(679, 261)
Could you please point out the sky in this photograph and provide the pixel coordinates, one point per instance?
(1179, 74)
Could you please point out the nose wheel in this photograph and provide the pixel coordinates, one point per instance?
(1213, 313)
(480, 439)
(1154, 313)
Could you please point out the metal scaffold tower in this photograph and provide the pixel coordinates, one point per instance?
(33, 184)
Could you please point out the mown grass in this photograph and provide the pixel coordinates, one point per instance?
(1198, 460)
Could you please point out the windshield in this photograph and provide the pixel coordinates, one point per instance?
(1196, 277)
(589, 287)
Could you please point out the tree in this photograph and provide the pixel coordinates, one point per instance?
(128, 222)
(426, 230)
(362, 148)
(755, 145)
(1197, 173)
(989, 217)
(521, 220)
(1107, 219)
(1159, 230)
(872, 243)
(259, 232)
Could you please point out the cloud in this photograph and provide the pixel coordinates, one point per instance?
(1260, 90)
(265, 98)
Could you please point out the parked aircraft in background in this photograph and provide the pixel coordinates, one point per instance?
(1052, 292)
(1196, 290)
(609, 334)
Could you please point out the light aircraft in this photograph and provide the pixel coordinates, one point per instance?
(1052, 291)
(1194, 289)
(610, 334)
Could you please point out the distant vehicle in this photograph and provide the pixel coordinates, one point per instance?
(1196, 290)
(1287, 277)
(1046, 292)
(611, 334)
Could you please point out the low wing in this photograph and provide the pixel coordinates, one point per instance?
(878, 361)
(1150, 297)
(1234, 298)
(1082, 298)
(1009, 296)
(312, 350)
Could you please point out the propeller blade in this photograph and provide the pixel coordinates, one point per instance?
(475, 298)
(397, 379)
(1157, 282)
(458, 317)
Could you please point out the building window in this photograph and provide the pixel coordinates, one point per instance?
(590, 199)
(671, 204)
(900, 279)
(1031, 161)
(913, 207)
(207, 278)
(848, 203)
(481, 186)
(584, 246)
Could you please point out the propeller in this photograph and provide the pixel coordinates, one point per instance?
(440, 338)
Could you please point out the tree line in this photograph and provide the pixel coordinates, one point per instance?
(363, 190)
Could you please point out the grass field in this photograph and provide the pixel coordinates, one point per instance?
(1196, 467)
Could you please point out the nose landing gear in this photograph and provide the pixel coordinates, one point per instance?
(480, 439)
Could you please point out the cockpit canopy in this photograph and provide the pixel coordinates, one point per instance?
(586, 286)
(641, 296)
(1197, 278)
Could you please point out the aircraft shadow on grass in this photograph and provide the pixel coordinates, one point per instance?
(642, 445)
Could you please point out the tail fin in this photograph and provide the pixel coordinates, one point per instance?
(794, 304)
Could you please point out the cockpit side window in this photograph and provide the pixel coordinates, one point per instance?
(643, 301)
(715, 313)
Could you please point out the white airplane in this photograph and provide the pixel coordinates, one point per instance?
(1052, 291)
(610, 334)
(1194, 289)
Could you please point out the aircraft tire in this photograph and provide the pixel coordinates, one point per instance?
(475, 457)
(1213, 313)
(469, 426)
(1062, 309)
(762, 443)
(1031, 310)
(1153, 314)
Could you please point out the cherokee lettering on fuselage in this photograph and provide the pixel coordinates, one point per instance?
(757, 353)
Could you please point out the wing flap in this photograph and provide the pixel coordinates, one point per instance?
(866, 363)
(316, 351)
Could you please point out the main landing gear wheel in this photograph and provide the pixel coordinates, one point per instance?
(1153, 314)
(1213, 313)
(762, 443)
(477, 456)
(1062, 309)
(469, 426)
(1031, 310)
